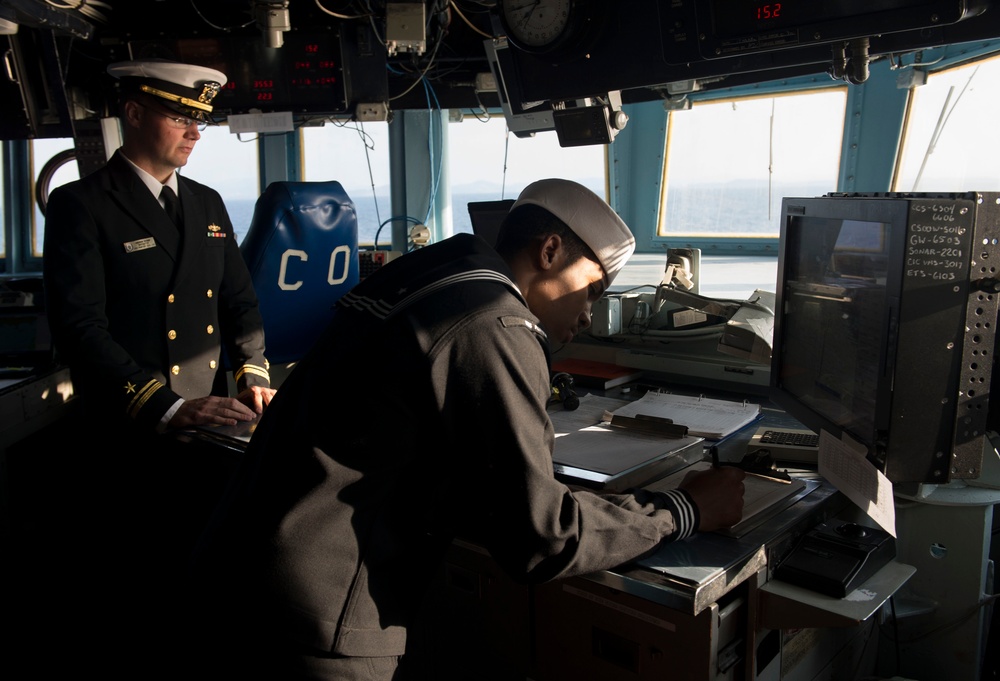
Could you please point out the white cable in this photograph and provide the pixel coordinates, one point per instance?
(340, 16)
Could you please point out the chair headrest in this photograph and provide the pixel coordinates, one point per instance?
(302, 252)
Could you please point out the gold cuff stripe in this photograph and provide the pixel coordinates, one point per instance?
(252, 369)
(193, 103)
(142, 396)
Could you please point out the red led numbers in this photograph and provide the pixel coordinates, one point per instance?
(769, 11)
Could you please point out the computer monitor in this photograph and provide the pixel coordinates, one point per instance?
(885, 317)
(486, 217)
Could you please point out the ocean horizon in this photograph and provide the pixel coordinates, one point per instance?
(370, 216)
(690, 210)
(696, 210)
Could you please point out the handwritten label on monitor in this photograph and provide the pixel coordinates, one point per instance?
(938, 244)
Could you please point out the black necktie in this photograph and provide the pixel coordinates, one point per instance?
(172, 205)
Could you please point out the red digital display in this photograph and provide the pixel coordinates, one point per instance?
(305, 74)
(769, 11)
(732, 18)
(728, 28)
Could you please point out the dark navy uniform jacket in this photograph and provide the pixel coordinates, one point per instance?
(139, 311)
(418, 416)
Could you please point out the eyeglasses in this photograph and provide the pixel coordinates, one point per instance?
(179, 122)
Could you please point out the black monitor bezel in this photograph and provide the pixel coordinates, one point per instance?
(487, 216)
(892, 214)
(939, 335)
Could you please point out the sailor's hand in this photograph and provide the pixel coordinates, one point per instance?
(718, 494)
(256, 398)
(211, 410)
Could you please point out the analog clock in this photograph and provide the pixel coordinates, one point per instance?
(553, 26)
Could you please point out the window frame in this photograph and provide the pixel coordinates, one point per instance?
(741, 244)
(18, 206)
(941, 66)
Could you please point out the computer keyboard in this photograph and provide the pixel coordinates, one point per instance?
(789, 437)
(786, 444)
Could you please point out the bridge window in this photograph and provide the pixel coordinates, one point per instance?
(487, 163)
(484, 163)
(952, 141)
(729, 163)
(52, 164)
(228, 164)
(357, 156)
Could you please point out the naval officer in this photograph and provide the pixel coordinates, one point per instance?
(141, 306)
(147, 295)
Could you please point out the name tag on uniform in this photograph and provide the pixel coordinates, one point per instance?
(139, 244)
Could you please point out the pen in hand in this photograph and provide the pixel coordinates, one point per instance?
(759, 470)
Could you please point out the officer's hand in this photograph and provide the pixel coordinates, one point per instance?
(211, 410)
(718, 494)
(256, 398)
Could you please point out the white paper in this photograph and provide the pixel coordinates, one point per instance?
(583, 441)
(703, 416)
(843, 464)
(611, 451)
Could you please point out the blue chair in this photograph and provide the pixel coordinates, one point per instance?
(302, 252)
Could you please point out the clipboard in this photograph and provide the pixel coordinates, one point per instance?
(591, 453)
(706, 417)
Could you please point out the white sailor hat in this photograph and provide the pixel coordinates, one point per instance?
(590, 218)
(186, 89)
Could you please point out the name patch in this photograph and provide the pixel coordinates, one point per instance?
(140, 244)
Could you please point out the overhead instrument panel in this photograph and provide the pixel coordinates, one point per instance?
(728, 28)
(305, 76)
(652, 49)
